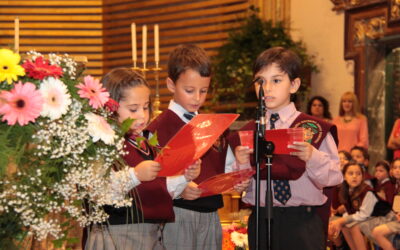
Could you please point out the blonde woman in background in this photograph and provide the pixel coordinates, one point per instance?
(351, 124)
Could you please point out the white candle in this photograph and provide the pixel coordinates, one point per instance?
(156, 43)
(134, 46)
(16, 35)
(144, 44)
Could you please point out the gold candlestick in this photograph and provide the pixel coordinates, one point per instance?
(156, 105)
(16, 35)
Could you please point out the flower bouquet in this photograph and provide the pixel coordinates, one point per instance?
(58, 142)
(235, 237)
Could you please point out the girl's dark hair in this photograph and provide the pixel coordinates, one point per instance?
(287, 60)
(344, 194)
(119, 79)
(363, 150)
(346, 154)
(384, 164)
(325, 104)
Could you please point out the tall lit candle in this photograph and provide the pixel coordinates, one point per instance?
(16, 35)
(144, 44)
(156, 43)
(134, 46)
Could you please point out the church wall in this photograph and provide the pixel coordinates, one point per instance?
(322, 31)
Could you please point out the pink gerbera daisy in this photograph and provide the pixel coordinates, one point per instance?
(22, 104)
(93, 90)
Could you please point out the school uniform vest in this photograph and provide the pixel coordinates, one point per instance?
(151, 201)
(167, 124)
(287, 167)
(354, 202)
(388, 187)
(397, 187)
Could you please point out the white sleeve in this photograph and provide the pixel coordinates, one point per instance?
(229, 160)
(176, 185)
(366, 209)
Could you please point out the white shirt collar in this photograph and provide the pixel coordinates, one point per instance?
(178, 110)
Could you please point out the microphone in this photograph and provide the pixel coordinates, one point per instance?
(261, 104)
(258, 80)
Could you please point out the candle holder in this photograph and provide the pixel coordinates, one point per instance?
(144, 69)
(156, 105)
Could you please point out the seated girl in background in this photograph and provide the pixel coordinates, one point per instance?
(394, 139)
(383, 186)
(359, 201)
(387, 227)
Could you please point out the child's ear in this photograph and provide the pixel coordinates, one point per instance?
(170, 85)
(295, 85)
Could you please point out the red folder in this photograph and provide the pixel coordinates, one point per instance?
(280, 137)
(222, 183)
(192, 141)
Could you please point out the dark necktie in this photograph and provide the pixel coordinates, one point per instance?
(281, 187)
(189, 115)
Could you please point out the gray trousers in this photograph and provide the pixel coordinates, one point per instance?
(142, 236)
(193, 231)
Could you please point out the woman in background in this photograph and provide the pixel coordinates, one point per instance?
(394, 139)
(319, 107)
(351, 124)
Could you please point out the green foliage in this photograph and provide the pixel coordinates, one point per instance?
(12, 147)
(232, 66)
(153, 141)
(126, 124)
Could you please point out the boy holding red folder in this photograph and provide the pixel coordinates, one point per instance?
(298, 178)
(197, 224)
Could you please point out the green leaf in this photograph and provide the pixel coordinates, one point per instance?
(153, 141)
(73, 240)
(126, 124)
(58, 243)
(139, 140)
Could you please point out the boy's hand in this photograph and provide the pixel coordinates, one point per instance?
(304, 152)
(242, 154)
(242, 186)
(398, 217)
(193, 171)
(147, 170)
(191, 192)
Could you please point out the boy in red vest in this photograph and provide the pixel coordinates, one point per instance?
(298, 178)
(197, 224)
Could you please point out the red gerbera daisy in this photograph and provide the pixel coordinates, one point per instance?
(40, 68)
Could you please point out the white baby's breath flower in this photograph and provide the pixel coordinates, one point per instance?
(56, 96)
(99, 129)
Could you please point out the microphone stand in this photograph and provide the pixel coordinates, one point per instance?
(262, 148)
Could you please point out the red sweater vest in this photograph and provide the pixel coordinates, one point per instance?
(152, 203)
(287, 167)
(389, 188)
(167, 124)
(354, 202)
